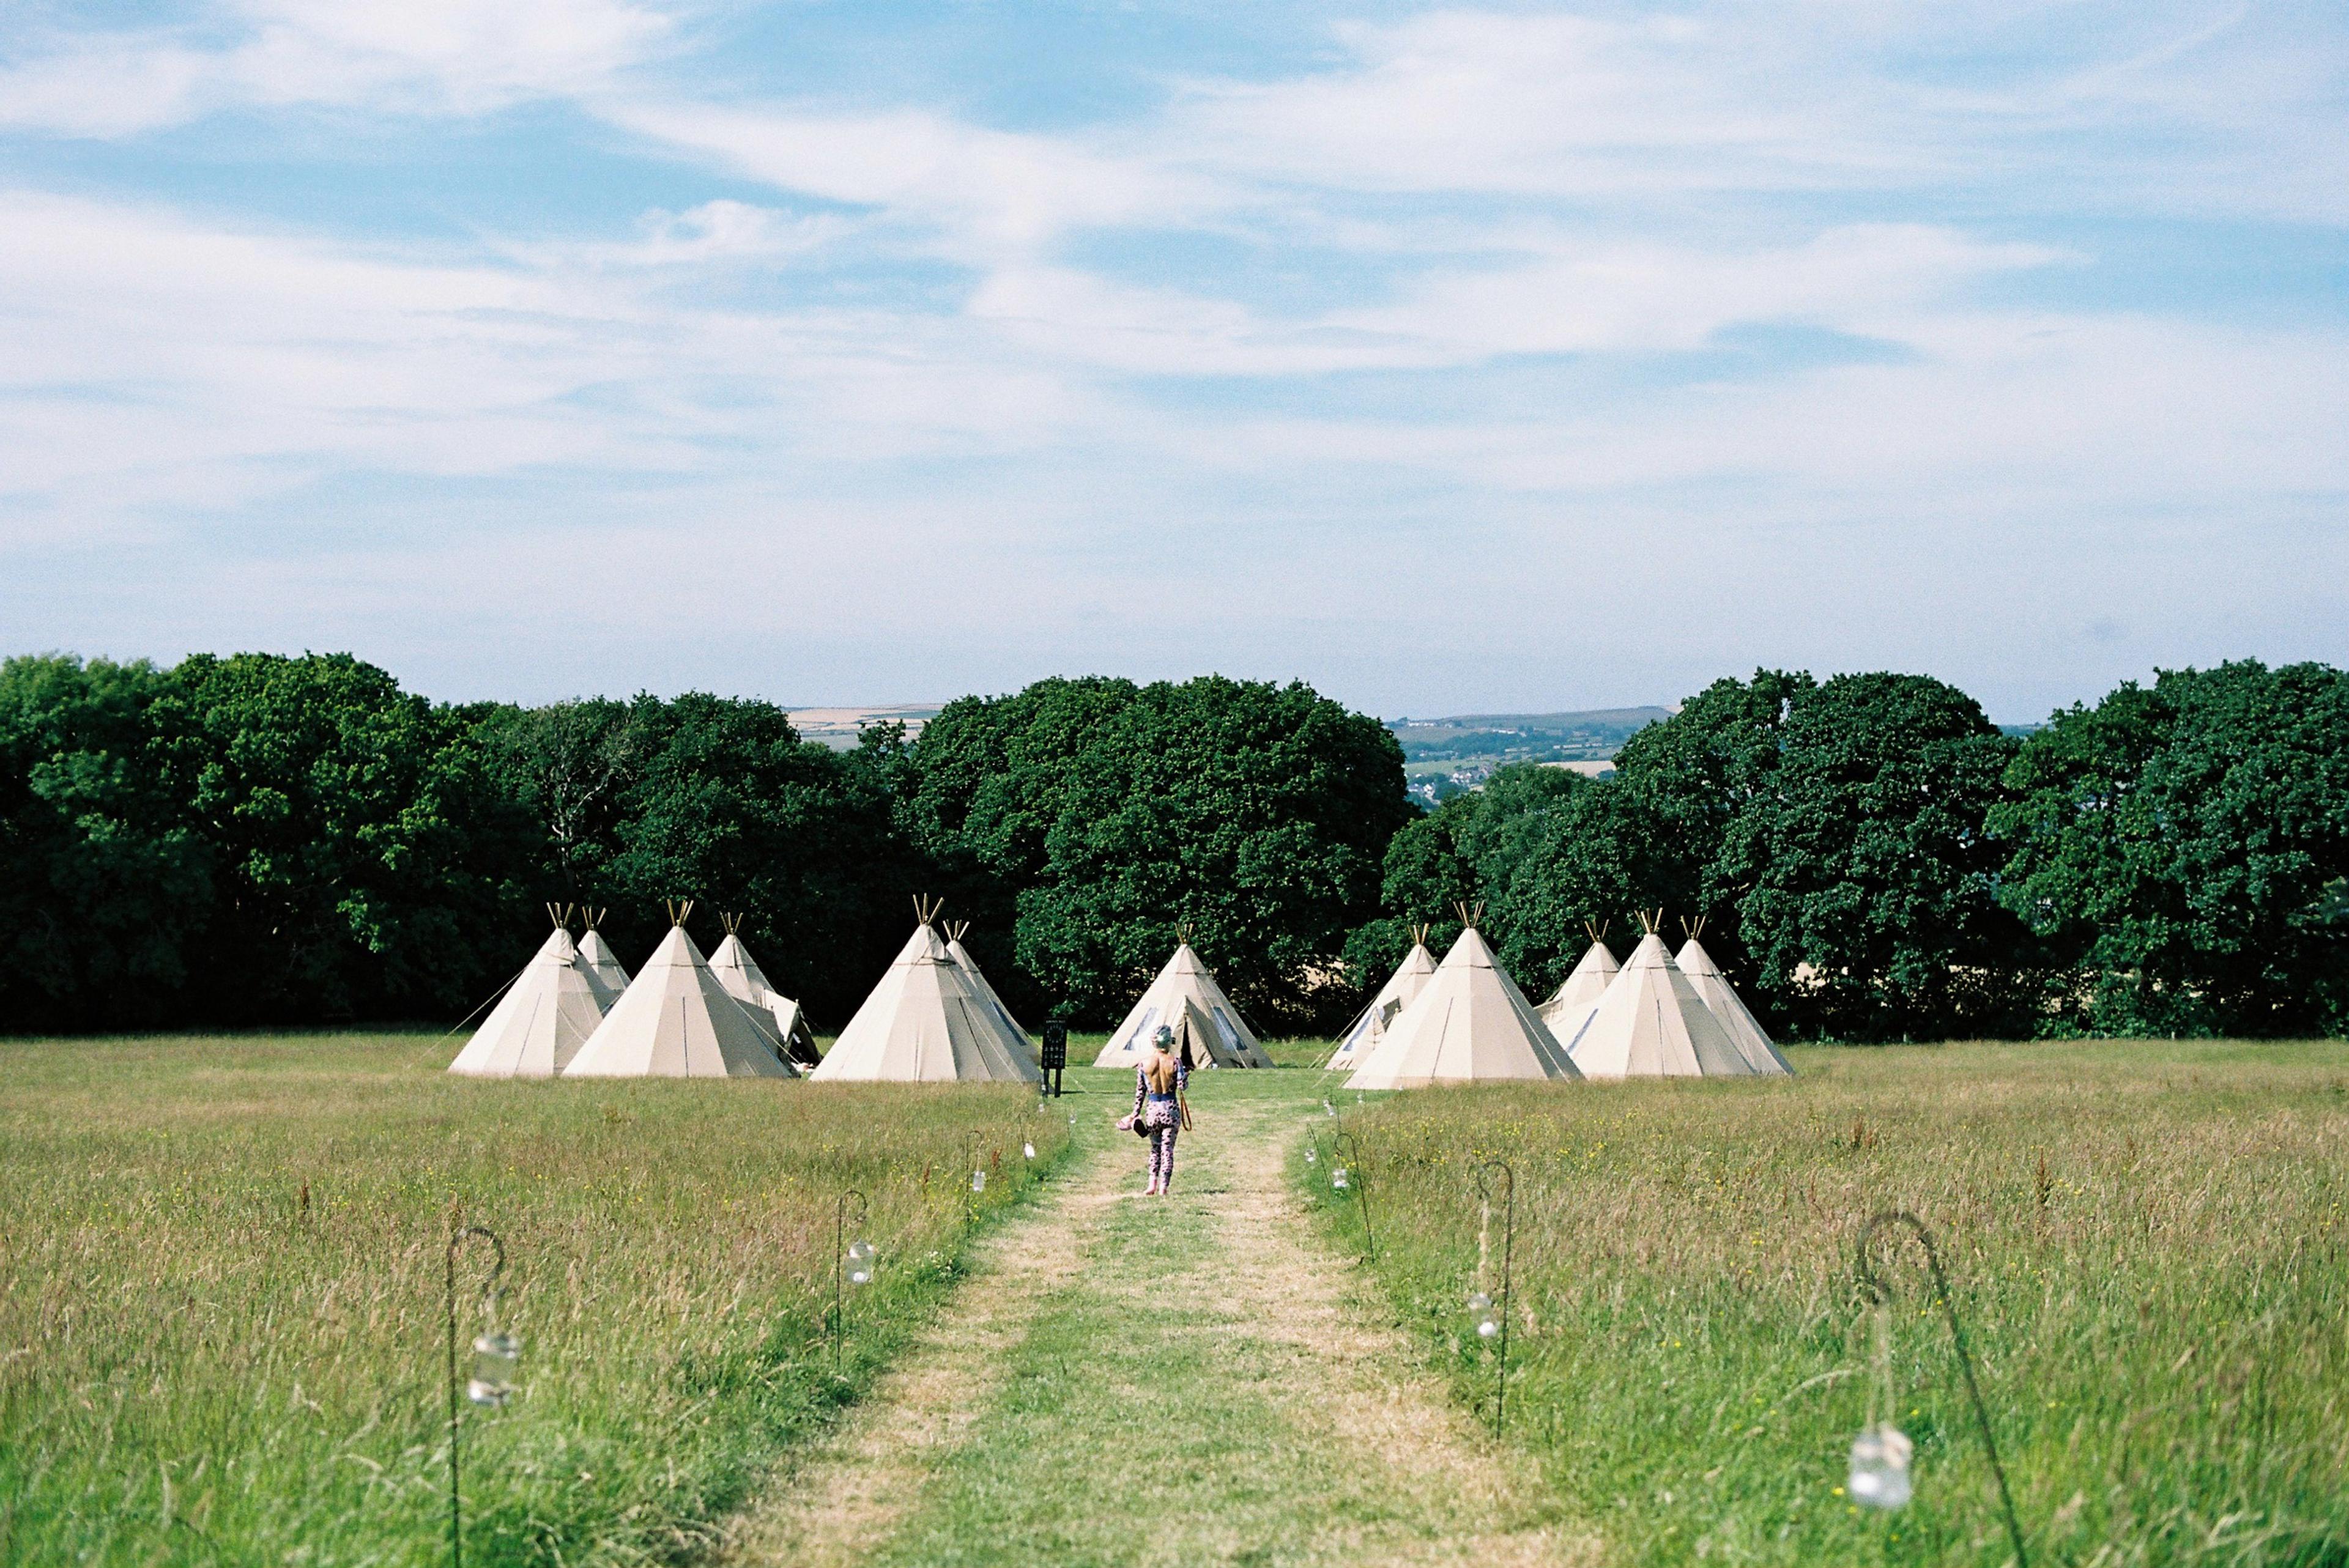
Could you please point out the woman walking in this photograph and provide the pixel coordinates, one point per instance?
(1159, 1108)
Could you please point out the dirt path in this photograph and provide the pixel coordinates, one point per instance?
(854, 1487)
(1184, 1381)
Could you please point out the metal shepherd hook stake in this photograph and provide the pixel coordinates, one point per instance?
(457, 1239)
(839, 1242)
(1362, 1184)
(1509, 1251)
(1878, 1293)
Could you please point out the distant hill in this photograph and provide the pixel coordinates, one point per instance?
(837, 726)
(1443, 757)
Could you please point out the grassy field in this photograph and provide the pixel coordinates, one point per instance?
(2145, 1241)
(199, 1364)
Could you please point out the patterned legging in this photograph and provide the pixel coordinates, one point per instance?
(1162, 1152)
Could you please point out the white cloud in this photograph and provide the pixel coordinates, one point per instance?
(460, 57)
(997, 193)
(1469, 101)
(1448, 284)
(2146, 107)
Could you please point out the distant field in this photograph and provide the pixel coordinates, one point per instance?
(1444, 755)
(194, 1370)
(2146, 1241)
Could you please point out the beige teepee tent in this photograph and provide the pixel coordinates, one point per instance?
(1409, 979)
(601, 961)
(927, 1022)
(1652, 1024)
(1712, 987)
(677, 1021)
(961, 955)
(1187, 999)
(768, 1008)
(1567, 1011)
(1470, 1022)
(545, 1016)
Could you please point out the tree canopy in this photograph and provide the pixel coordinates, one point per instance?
(259, 840)
(1111, 815)
(2180, 849)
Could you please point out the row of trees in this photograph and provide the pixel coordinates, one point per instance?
(264, 841)
(1875, 859)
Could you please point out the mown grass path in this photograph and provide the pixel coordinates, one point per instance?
(1189, 1380)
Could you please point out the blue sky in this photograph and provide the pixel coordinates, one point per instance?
(1453, 360)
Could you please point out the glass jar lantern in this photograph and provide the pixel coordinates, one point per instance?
(496, 1357)
(1879, 1468)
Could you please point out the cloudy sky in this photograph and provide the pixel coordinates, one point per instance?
(1451, 360)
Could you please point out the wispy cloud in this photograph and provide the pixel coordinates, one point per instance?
(460, 56)
(1525, 283)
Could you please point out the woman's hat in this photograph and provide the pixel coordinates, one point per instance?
(1163, 1039)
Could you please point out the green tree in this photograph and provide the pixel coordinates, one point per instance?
(104, 888)
(365, 854)
(1832, 834)
(1871, 900)
(569, 766)
(2181, 850)
(1107, 815)
(1481, 847)
(723, 803)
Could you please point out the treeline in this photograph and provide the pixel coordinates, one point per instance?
(259, 840)
(1875, 860)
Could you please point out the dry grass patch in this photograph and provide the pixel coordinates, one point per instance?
(197, 1363)
(2146, 1241)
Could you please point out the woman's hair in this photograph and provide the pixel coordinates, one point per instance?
(1158, 1072)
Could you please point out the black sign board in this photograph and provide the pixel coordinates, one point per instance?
(1056, 1053)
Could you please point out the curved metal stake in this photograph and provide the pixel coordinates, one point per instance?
(457, 1239)
(969, 1171)
(1876, 1292)
(839, 1241)
(1361, 1192)
(1509, 1251)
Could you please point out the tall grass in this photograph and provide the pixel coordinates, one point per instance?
(2145, 1241)
(220, 1336)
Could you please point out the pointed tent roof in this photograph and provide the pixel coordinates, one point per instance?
(1405, 983)
(1469, 1023)
(1652, 1024)
(961, 955)
(768, 1008)
(1186, 993)
(677, 1021)
(1577, 997)
(1728, 1008)
(601, 961)
(925, 1022)
(545, 1016)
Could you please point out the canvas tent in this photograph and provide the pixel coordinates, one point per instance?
(1728, 1008)
(677, 1021)
(768, 1008)
(1469, 1024)
(961, 955)
(1370, 1024)
(1578, 997)
(601, 961)
(1652, 1024)
(1187, 999)
(545, 1016)
(927, 1022)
